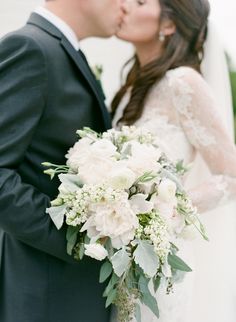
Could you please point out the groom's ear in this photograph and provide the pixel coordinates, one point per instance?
(167, 27)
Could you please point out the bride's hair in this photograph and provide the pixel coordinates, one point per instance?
(183, 48)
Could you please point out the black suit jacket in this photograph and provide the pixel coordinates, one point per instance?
(47, 92)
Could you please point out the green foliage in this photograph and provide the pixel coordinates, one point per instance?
(233, 86)
(105, 271)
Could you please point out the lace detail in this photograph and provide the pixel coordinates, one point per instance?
(183, 100)
(182, 113)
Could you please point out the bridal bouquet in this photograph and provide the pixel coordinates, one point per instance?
(123, 202)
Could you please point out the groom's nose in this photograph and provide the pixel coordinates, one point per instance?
(125, 5)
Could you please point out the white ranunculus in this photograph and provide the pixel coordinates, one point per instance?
(121, 178)
(96, 251)
(167, 190)
(144, 158)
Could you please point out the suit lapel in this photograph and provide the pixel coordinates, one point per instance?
(79, 61)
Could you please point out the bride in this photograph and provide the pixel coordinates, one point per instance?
(165, 93)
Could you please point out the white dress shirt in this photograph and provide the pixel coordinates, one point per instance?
(67, 31)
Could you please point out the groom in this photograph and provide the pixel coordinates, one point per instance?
(47, 92)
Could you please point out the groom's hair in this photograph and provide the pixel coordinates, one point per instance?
(183, 48)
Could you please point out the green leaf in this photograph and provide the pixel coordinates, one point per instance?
(120, 261)
(110, 298)
(177, 263)
(105, 271)
(81, 251)
(71, 237)
(156, 283)
(147, 298)
(132, 279)
(146, 258)
(143, 284)
(150, 301)
(137, 313)
(114, 279)
(70, 181)
(57, 215)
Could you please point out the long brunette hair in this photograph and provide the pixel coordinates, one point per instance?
(183, 48)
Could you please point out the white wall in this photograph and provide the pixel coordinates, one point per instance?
(113, 53)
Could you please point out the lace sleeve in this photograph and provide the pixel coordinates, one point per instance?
(202, 124)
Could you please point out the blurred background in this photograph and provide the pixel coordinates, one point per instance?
(112, 53)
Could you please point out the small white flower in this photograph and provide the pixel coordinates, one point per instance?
(96, 251)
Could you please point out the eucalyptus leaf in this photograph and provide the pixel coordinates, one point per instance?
(156, 283)
(137, 313)
(81, 251)
(110, 298)
(131, 280)
(113, 281)
(105, 272)
(120, 261)
(150, 301)
(177, 263)
(71, 237)
(143, 284)
(146, 258)
(147, 298)
(57, 215)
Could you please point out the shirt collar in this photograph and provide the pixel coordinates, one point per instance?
(60, 24)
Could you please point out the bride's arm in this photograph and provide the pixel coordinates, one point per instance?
(204, 128)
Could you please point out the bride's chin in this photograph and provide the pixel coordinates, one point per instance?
(118, 34)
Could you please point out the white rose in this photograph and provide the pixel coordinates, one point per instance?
(167, 190)
(144, 158)
(95, 169)
(104, 148)
(121, 178)
(85, 154)
(96, 251)
(74, 154)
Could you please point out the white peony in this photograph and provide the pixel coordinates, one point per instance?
(114, 219)
(96, 251)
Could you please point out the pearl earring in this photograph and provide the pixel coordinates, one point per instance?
(161, 36)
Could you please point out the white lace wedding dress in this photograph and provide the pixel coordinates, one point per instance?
(182, 112)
